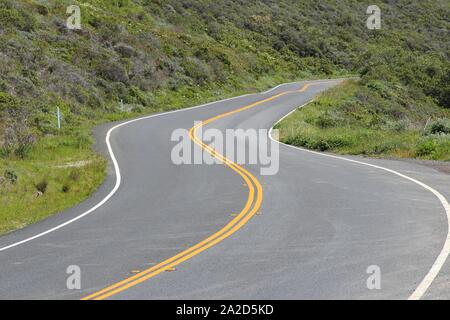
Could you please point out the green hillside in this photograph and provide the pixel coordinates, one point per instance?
(156, 55)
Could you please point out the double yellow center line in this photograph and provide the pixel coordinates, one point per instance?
(252, 205)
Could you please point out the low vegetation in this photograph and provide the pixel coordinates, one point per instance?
(354, 119)
(33, 188)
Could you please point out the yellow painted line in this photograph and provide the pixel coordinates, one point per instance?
(250, 209)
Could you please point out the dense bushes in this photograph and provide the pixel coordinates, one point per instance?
(15, 135)
(440, 126)
(42, 185)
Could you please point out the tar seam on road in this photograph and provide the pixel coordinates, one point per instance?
(443, 255)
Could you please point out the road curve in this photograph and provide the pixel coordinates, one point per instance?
(322, 221)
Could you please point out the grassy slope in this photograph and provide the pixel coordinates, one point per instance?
(339, 122)
(66, 186)
(403, 96)
(157, 55)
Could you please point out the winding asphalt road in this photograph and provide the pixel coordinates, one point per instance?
(321, 223)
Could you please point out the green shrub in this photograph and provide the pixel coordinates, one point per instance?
(398, 126)
(426, 147)
(16, 137)
(42, 185)
(13, 18)
(320, 145)
(339, 141)
(440, 126)
(197, 70)
(83, 140)
(297, 140)
(74, 175)
(324, 120)
(65, 188)
(383, 147)
(11, 176)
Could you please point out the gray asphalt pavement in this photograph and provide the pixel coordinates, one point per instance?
(323, 222)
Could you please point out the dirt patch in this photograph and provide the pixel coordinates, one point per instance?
(77, 164)
(441, 166)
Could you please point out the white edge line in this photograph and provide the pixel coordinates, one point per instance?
(274, 88)
(117, 170)
(443, 255)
